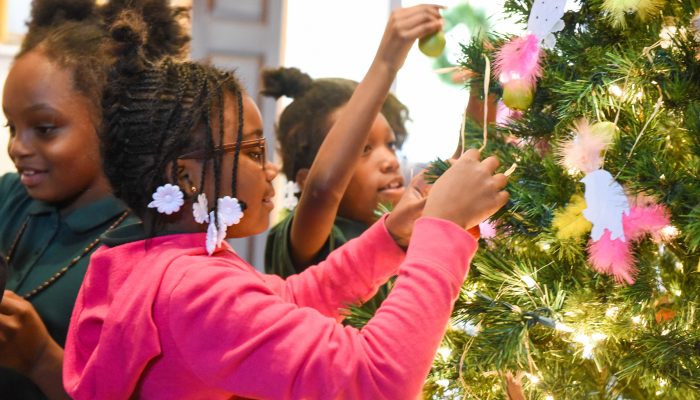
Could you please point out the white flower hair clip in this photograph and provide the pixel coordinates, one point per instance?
(200, 209)
(230, 212)
(167, 199)
(290, 200)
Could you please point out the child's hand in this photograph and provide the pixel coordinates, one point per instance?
(23, 336)
(468, 192)
(404, 27)
(408, 210)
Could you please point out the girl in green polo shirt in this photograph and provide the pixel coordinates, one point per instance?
(338, 140)
(58, 204)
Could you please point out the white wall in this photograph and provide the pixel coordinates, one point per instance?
(18, 13)
(345, 43)
(7, 52)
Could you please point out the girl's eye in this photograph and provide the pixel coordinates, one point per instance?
(45, 129)
(391, 146)
(256, 155)
(10, 128)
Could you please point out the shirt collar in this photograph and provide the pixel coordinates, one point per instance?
(39, 207)
(94, 214)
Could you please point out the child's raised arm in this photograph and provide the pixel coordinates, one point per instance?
(335, 162)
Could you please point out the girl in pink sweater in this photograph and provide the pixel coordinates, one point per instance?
(168, 310)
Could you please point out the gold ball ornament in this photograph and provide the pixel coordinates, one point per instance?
(517, 95)
(432, 45)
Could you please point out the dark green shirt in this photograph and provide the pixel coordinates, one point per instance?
(278, 258)
(48, 244)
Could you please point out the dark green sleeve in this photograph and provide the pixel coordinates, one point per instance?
(278, 257)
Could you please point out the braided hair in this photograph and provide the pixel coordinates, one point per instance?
(73, 34)
(305, 122)
(155, 111)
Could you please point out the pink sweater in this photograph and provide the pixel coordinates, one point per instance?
(159, 319)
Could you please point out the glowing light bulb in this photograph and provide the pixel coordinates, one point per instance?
(528, 281)
(669, 232)
(443, 382)
(562, 327)
(637, 319)
(533, 378)
(589, 343)
(445, 353)
(615, 90)
(612, 312)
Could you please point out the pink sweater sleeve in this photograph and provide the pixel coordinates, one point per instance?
(350, 275)
(254, 343)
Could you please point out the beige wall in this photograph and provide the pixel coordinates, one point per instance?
(6, 54)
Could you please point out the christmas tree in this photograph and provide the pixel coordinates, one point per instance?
(590, 285)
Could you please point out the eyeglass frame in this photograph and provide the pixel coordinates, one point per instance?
(227, 148)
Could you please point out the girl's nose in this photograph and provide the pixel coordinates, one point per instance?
(389, 162)
(19, 146)
(271, 171)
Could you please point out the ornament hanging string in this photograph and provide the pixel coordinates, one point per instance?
(657, 109)
(487, 82)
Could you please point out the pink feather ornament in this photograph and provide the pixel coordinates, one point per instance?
(583, 152)
(517, 66)
(612, 257)
(519, 59)
(644, 220)
(488, 229)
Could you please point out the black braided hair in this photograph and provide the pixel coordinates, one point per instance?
(73, 34)
(155, 111)
(305, 122)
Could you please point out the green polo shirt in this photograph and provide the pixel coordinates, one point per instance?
(278, 258)
(48, 244)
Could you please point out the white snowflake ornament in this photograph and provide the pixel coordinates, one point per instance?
(606, 202)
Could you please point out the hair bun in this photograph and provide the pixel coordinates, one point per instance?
(164, 34)
(129, 33)
(50, 12)
(290, 82)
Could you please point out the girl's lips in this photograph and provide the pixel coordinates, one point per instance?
(31, 178)
(396, 184)
(267, 202)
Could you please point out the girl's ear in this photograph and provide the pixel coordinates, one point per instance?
(302, 174)
(189, 174)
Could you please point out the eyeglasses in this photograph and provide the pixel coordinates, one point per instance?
(231, 147)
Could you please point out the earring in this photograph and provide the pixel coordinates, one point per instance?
(193, 188)
(167, 199)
